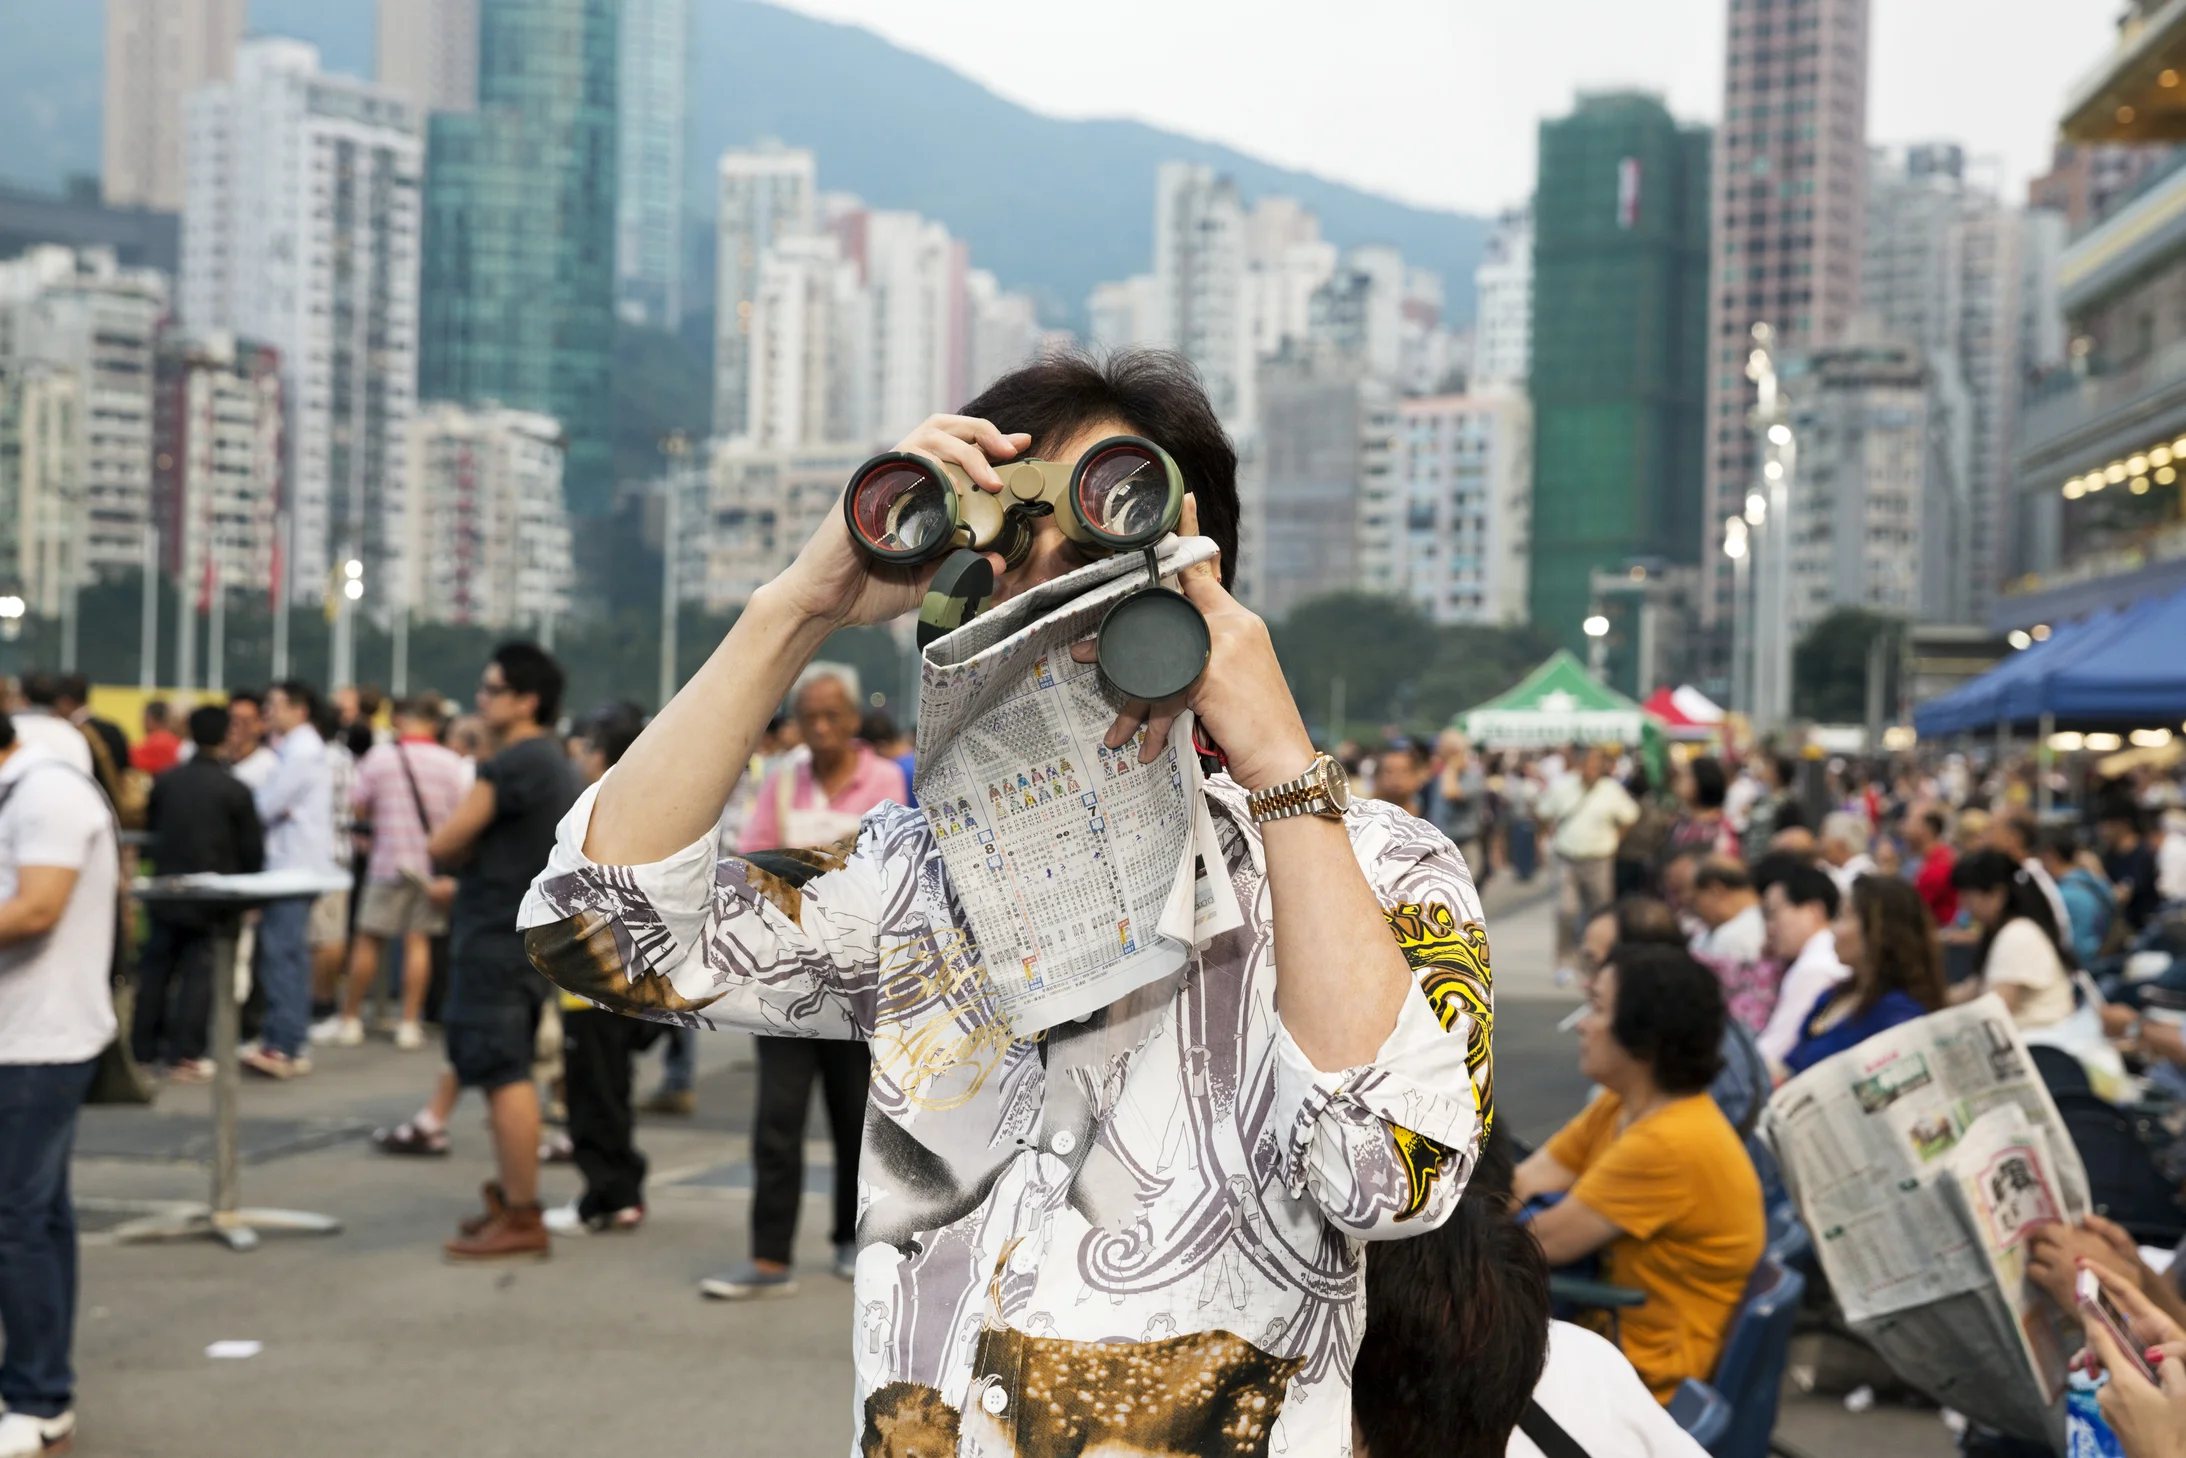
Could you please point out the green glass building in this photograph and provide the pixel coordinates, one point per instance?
(1619, 368)
(519, 275)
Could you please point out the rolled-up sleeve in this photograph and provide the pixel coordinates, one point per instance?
(780, 942)
(1384, 1148)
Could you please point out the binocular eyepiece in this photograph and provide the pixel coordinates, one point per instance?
(1123, 495)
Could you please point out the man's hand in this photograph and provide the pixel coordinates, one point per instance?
(2053, 1255)
(1242, 697)
(834, 582)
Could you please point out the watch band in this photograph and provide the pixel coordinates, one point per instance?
(1307, 794)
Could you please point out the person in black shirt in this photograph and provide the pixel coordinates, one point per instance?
(202, 819)
(2129, 863)
(502, 834)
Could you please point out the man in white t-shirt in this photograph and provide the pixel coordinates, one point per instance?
(1799, 906)
(59, 867)
(1590, 812)
(39, 723)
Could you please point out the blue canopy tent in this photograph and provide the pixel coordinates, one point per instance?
(1979, 706)
(2118, 669)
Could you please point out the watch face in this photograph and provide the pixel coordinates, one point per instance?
(1336, 782)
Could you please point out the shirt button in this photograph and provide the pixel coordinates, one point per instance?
(995, 1399)
(1063, 1142)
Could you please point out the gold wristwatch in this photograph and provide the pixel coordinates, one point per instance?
(1323, 790)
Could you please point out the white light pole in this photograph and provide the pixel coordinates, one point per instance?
(344, 666)
(1596, 628)
(148, 627)
(1738, 546)
(284, 557)
(1768, 509)
(216, 627)
(674, 445)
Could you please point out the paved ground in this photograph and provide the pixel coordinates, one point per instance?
(372, 1346)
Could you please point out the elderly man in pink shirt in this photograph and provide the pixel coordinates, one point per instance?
(807, 803)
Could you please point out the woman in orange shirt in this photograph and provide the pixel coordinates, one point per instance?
(1653, 1177)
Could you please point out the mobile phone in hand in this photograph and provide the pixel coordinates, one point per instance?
(2096, 1306)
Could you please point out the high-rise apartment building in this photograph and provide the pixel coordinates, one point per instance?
(519, 303)
(1200, 300)
(1286, 263)
(806, 329)
(768, 193)
(915, 354)
(1503, 303)
(1324, 501)
(1465, 465)
(1620, 267)
(41, 487)
(77, 311)
(1943, 273)
(1004, 330)
(1121, 314)
(218, 460)
(764, 503)
(428, 53)
(490, 532)
(302, 232)
(157, 53)
(1789, 223)
(655, 60)
(1862, 503)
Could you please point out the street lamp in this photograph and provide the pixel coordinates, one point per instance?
(674, 446)
(1738, 546)
(12, 609)
(344, 667)
(1596, 628)
(1769, 502)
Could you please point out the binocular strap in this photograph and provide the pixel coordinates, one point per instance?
(958, 593)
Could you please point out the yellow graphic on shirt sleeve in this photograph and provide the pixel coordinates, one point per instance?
(1451, 958)
(1424, 1161)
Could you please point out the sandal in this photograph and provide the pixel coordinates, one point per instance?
(407, 1138)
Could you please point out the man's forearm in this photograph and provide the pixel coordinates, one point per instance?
(670, 787)
(1340, 978)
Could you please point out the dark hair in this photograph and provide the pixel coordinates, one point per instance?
(877, 728)
(776, 722)
(1669, 1014)
(7, 732)
(252, 697)
(76, 686)
(415, 707)
(530, 669)
(208, 726)
(1937, 825)
(40, 688)
(612, 728)
(1774, 866)
(1643, 921)
(1898, 943)
(2021, 825)
(1993, 870)
(1808, 885)
(369, 698)
(328, 721)
(156, 712)
(1709, 783)
(1722, 872)
(1155, 392)
(2061, 841)
(297, 692)
(1456, 1333)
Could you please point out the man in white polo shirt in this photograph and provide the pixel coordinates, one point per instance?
(1590, 811)
(58, 872)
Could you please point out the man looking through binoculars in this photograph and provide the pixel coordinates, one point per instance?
(1203, 1155)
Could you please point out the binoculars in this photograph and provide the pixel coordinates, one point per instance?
(1124, 494)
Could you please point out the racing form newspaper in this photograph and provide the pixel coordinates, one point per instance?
(1921, 1161)
(1081, 870)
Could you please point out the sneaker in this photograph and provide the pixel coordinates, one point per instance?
(268, 1064)
(564, 1220)
(846, 1261)
(670, 1101)
(409, 1037)
(555, 1147)
(410, 1137)
(338, 1032)
(24, 1436)
(515, 1232)
(746, 1282)
(192, 1070)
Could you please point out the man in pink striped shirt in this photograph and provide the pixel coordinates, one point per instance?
(404, 789)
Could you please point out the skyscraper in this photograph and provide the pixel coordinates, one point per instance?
(1199, 282)
(655, 53)
(520, 231)
(1503, 303)
(428, 53)
(1620, 267)
(767, 193)
(157, 53)
(490, 532)
(1789, 218)
(302, 233)
(1466, 463)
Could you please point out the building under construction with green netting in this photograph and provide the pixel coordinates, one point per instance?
(1620, 320)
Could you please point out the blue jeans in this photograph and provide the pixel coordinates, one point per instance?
(284, 966)
(38, 1103)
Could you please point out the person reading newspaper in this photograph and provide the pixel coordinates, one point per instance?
(1138, 1229)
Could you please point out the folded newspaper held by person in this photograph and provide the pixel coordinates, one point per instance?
(1921, 1160)
(1082, 872)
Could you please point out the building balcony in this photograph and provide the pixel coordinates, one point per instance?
(2138, 92)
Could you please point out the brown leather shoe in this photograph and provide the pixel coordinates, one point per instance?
(490, 1192)
(516, 1233)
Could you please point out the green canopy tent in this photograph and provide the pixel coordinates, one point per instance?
(1561, 703)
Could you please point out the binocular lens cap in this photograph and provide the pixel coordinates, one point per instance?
(1153, 645)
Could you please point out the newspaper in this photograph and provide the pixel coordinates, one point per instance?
(1081, 871)
(1920, 1161)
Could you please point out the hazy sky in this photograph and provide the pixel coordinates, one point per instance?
(1435, 101)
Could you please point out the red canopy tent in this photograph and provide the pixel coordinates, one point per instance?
(1686, 713)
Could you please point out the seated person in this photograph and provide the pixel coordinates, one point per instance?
(2054, 1249)
(1800, 903)
(1651, 1172)
(1457, 1329)
(1885, 935)
(2091, 907)
(2024, 957)
(1735, 944)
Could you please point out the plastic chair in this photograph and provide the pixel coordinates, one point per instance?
(1750, 1372)
(1789, 1244)
(2123, 1180)
(2060, 1070)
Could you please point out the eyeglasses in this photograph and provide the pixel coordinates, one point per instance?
(488, 687)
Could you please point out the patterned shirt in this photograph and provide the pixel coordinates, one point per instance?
(1140, 1231)
(382, 797)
